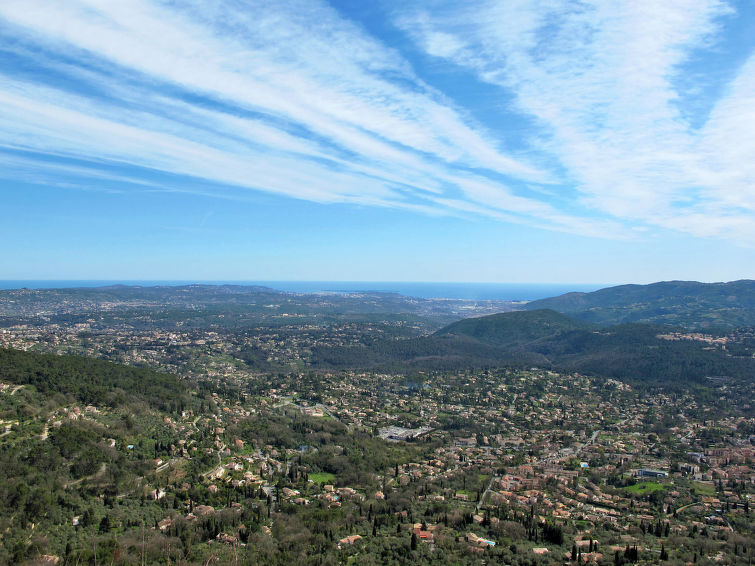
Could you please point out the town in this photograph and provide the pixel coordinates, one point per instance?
(519, 462)
(267, 458)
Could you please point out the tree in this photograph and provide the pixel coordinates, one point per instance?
(105, 524)
(87, 518)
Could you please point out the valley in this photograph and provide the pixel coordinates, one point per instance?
(230, 436)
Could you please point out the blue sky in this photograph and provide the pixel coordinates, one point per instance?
(509, 141)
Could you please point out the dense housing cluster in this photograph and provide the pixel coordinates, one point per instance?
(288, 463)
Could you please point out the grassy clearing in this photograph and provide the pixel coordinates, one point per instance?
(704, 489)
(643, 488)
(322, 477)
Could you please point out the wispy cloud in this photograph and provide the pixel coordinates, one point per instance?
(599, 77)
(252, 95)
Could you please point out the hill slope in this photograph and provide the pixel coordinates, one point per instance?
(514, 328)
(633, 352)
(90, 381)
(687, 304)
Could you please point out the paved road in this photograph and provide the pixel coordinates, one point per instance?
(485, 493)
(99, 472)
(165, 465)
(331, 415)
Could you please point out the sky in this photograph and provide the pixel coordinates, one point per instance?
(549, 141)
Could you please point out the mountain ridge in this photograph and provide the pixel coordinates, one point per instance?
(638, 352)
(687, 304)
(514, 327)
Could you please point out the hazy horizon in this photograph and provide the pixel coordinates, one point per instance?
(427, 290)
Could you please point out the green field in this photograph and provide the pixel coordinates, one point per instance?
(643, 488)
(323, 477)
(704, 489)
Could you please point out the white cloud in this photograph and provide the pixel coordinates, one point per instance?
(600, 79)
(253, 95)
(274, 62)
(727, 144)
(324, 113)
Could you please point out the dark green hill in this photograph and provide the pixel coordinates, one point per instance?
(92, 382)
(61, 459)
(631, 351)
(447, 352)
(513, 328)
(474, 342)
(687, 304)
(634, 352)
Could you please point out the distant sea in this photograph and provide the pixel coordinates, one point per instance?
(471, 291)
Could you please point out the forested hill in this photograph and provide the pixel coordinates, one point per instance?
(687, 304)
(91, 382)
(514, 328)
(632, 352)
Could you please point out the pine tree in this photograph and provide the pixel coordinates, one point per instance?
(105, 524)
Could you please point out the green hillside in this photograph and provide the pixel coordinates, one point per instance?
(631, 351)
(90, 381)
(512, 328)
(687, 304)
(78, 451)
